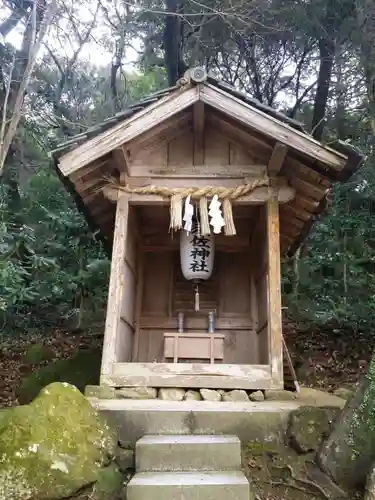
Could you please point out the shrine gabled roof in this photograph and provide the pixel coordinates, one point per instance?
(155, 96)
(311, 173)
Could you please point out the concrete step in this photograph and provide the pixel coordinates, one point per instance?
(249, 421)
(188, 486)
(188, 453)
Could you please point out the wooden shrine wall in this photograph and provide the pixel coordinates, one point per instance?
(125, 338)
(155, 290)
(158, 154)
(259, 254)
(228, 292)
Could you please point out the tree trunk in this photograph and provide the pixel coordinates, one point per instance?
(296, 274)
(173, 41)
(340, 111)
(11, 103)
(348, 454)
(365, 11)
(345, 269)
(327, 57)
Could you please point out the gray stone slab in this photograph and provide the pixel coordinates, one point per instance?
(188, 453)
(171, 394)
(189, 486)
(251, 422)
(137, 393)
(236, 395)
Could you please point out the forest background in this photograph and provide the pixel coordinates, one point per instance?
(66, 65)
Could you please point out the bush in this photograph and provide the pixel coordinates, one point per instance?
(80, 370)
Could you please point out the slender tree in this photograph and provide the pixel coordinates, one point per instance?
(38, 18)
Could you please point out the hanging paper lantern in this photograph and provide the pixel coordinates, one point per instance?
(197, 255)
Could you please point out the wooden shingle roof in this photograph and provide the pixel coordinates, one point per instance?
(310, 167)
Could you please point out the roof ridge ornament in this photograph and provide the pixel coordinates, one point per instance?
(193, 75)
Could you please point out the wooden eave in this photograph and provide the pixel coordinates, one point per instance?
(310, 167)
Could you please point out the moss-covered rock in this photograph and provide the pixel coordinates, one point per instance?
(308, 426)
(279, 395)
(53, 447)
(314, 397)
(80, 370)
(348, 455)
(37, 353)
(370, 486)
(109, 484)
(343, 393)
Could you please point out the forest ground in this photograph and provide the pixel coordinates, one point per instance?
(324, 357)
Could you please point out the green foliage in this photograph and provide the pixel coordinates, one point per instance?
(52, 268)
(52, 263)
(80, 370)
(336, 269)
(37, 353)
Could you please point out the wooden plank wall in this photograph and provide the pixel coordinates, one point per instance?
(166, 153)
(166, 292)
(114, 326)
(126, 335)
(259, 260)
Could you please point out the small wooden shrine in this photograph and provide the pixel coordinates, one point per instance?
(199, 190)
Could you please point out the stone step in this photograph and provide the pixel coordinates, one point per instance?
(250, 421)
(188, 453)
(188, 486)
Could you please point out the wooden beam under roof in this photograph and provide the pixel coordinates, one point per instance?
(277, 160)
(199, 118)
(310, 189)
(258, 196)
(306, 172)
(298, 212)
(120, 159)
(195, 171)
(222, 242)
(197, 181)
(91, 170)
